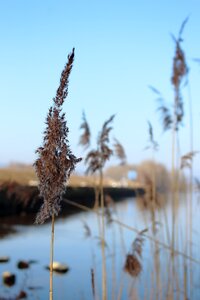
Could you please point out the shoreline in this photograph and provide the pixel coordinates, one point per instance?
(16, 199)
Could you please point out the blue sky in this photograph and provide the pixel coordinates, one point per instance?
(122, 47)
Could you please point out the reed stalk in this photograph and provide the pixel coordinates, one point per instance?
(55, 160)
(153, 145)
(191, 185)
(104, 276)
(179, 71)
(96, 159)
(51, 259)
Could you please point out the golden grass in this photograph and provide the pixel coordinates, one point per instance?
(26, 175)
(20, 175)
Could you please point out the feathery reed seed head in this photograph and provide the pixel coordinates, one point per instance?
(86, 135)
(55, 160)
(179, 72)
(120, 152)
(96, 159)
(166, 116)
(133, 264)
(186, 160)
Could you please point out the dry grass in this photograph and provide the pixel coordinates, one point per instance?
(26, 176)
(20, 175)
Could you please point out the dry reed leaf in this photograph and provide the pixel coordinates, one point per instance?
(101, 241)
(155, 91)
(88, 232)
(197, 185)
(93, 282)
(152, 143)
(186, 160)
(108, 215)
(108, 200)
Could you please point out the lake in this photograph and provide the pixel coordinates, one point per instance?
(77, 244)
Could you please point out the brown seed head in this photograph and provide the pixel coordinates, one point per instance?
(132, 265)
(179, 72)
(55, 160)
(86, 135)
(120, 152)
(96, 159)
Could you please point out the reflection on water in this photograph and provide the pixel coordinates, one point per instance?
(5, 230)
(77, 242)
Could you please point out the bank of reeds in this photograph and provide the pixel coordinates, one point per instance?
(56, 162)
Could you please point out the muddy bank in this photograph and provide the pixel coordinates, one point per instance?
(16, 199)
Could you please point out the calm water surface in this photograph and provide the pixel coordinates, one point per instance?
(81, 254)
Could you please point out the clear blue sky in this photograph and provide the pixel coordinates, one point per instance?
(121, 48)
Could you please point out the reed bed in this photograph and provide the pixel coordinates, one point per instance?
(158, 261)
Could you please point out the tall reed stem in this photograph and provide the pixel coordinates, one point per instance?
(173, 188)
(190, 220)
(104, 280)
(51, 258)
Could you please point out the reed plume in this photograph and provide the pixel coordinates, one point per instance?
(166, 116)
(97, 158)
(133, 264)
(119, 152)
(86, 135)
(186, 160)
(55, 160)
(152, 143)
(179, 72)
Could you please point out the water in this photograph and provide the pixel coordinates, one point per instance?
(83, 253)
